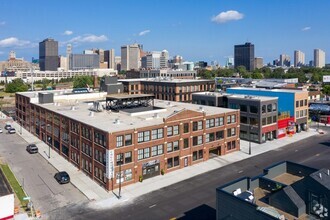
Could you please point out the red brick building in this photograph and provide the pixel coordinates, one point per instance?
(138, 135)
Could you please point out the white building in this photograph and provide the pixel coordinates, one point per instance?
(299, 58)
(130, 57)
(319, 58)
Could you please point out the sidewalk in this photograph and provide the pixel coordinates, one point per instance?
(103, 199)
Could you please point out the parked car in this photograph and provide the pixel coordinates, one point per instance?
(62, 177)
(1, 131)
(12, 131)
(32, 149)
(7, 126)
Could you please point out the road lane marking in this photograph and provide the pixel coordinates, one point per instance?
(241, 171)
(152, 206)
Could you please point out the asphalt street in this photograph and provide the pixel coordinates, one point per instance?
(37, 176)
(195, 198)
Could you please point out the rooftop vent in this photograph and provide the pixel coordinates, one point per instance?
(156, 115)
(328, 172)
(117, 121)
(320, 175)
(201, 108)
(169, 103)
(73, 108)
(91, 114)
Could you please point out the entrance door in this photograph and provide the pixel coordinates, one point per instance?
(214, 152)
(150, 171)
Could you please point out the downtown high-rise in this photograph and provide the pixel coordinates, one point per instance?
(319, 58)
(130, 57)
(48, 55)
(244, 56)
(299, 58)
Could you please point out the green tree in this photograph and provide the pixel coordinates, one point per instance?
(82, 81)
(241, 70)
(257, 75)
(326, 89)
(17, 85)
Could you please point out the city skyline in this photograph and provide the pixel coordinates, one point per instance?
(205, 31)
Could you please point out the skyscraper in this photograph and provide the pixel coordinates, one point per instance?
(130, 57)
(319, 58)
(48, 55)
(109, 56)
(299, 58)
(244, 56)
(285, 60)
(258, 62)
(164, 56)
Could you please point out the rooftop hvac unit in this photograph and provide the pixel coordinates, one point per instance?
(117, 121)
(156, 115)
(73, 108)
(201, 108)
(91, 114)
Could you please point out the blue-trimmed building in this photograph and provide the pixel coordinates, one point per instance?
(290, 102)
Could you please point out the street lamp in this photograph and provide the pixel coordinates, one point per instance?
(49, 139)
(120, 163)
(250, 128)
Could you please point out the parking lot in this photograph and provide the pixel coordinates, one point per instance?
(36, 175)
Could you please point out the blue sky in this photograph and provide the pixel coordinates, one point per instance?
(195, 29)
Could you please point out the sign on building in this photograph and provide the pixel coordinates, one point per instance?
(110, 163)
(326, 78)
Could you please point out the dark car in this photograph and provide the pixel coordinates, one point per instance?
(32, 149)
(62, 177)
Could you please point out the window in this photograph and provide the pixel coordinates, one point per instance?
(297, 104)
(243, 108)
(274, 119)
(170, 147)
(254, 121)
(120, 141)
(119, 159)
(219, 121)
(195, 126)
(143, 136)
(200, 125)
(173, 162)
(209, 137)
(200, 140)
(228, 119)
(301, 103)
(210, 123)
(231, 132)
(243, 119)
(219, 135)
(160, 149)
(263, 109)
(146, 152)
(157, 134)
(305, 102)
(186, 143)
(169, 131)
(274, 107)
(197, 155)
(186, 127)
(253, 109)
(269, 120)
(231, 145)
(269, 108)
(176, 145)
(176, 130)
(264, 121)
(128, 157)
(233, 118)
(128, 139)
(140, 154)
(297, 114)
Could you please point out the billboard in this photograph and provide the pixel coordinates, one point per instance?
(326, 78)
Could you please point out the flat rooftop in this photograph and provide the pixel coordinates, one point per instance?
(105, 120)
(219, 94)
(270, 90)
(165, 80)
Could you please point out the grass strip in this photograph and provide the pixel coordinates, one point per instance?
(14, 183)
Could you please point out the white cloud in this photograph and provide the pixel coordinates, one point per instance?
(2, 23)
(90, 38)
(144, 32)
(68, 32)
(14, 42)
(306, 29)
(226, 16)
